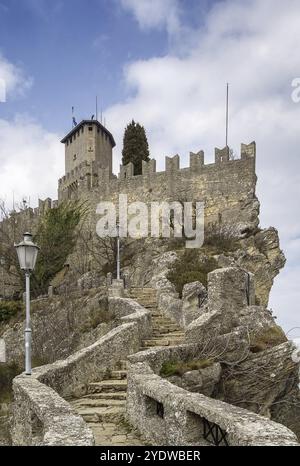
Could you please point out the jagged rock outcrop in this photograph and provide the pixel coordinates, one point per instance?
(259, 369)
(60, 326)
(258, 253)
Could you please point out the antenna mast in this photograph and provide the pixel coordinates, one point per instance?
(227, 114)
(96, 108)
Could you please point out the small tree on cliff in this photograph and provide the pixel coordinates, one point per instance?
(135, 146)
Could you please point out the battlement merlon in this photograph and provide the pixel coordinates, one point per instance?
(196, 162)
(90, 174)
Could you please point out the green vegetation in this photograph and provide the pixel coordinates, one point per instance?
(191, 267)
(220, 238)
(267, 338)
(56, 236)
(170, 368)
(7, 373)
(9, 309)
(135, 146)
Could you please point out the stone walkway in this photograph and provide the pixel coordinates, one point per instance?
(104, 407)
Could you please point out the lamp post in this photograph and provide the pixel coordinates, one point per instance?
(118, 251)
(2, 263)
(27, 254)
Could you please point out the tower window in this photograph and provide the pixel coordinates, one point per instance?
(74, 157)
(90, 128)
(82, 129)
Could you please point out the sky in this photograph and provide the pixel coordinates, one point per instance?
(164, 63)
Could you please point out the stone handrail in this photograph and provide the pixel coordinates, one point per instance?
(40, 415)
(169, 415)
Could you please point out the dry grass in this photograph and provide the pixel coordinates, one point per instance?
(267, 338)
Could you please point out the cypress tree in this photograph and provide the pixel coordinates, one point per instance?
(135, 146)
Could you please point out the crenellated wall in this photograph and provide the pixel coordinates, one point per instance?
(226, 186)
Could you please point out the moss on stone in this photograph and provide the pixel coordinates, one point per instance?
(170, 368)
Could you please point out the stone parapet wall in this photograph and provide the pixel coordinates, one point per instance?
(169, 415)
(227, 187)
(40, 415)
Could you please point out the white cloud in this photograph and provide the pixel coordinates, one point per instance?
(180, 98)
(31, 158)
(13, 79)
(31, 161)
(155, 13)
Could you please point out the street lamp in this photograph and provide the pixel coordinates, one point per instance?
(2, 264)
(27, 254)
(118, 251)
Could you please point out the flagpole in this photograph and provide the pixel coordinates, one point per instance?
(227, 115)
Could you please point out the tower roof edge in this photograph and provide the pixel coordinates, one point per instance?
(89, 122)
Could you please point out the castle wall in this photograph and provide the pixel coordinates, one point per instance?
(227, 187)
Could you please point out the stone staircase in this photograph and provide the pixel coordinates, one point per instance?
(104, 406)
(103, 409)
(166, 332)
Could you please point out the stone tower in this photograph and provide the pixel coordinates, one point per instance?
(88, 151)
(89, 141)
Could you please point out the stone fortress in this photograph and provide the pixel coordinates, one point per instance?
(244, 390)
(227, 186)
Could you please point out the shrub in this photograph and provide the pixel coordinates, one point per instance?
(221, 236)
(56, 236)
(190, 267)
(170, 368)
(8, 309)
(7, 373)
(267, 338)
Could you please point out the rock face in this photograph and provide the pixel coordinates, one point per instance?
(200, 381)
(259, 254)
(60, 326)
(194, 297)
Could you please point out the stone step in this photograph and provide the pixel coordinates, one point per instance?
(168, 335)
(162, 342)
(109, 385)
(118, 395)
(161, 318)
(102, 414)
(155, 342)
(96, 402)
(168, 328)
(167, 325)
(118, 374)
(144, 288)
(147, 304)
(111, 434)
(166, 332)
(122, 365)
(145, 296)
